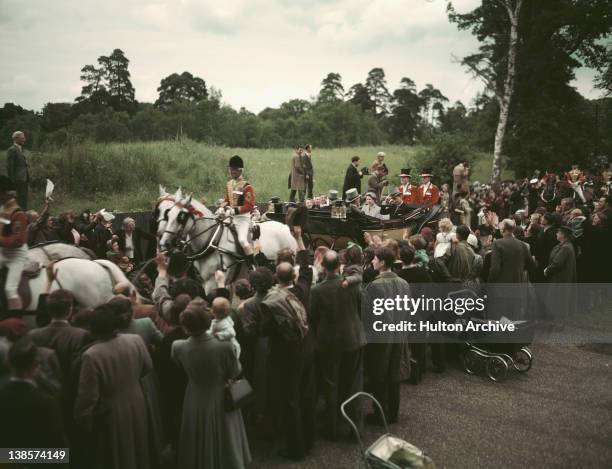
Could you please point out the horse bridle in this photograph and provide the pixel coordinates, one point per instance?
(189, 213)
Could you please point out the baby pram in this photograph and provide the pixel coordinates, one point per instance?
(490, 352)
(388, 451)
(497, 358)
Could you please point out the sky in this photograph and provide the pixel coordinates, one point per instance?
(259, 53)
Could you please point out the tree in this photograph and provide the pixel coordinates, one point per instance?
(454, 118)
(107, 85)
(376, 84)
(481, 64)
(529, 50)
(331, 88)
(56, 116)
(359, 94)
(94, 95)
(183, 88)
(432, 100)
(405, 108)
(120, 89)
(604, 80)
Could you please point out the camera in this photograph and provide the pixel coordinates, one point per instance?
(365, 171)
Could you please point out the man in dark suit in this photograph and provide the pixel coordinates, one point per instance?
(335, 318)
(67, 341)
(30, 418)
(17, 168)
(547, 241)
(511, 262)
(561, 271)
(394, 206)
(510, 257)
(383, 360)
(352, 178)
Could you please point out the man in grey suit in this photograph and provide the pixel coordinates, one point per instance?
(17, 168)
(511, 262)
(340, 338)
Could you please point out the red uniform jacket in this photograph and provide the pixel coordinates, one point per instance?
(15, 234)
(410, 194)
(240, 196)
(429, 194)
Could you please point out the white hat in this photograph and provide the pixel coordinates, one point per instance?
(106, 215)
(472, 240)
(533, 181)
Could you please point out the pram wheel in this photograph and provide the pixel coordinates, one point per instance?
(496, 368)
(471, 361)
(523, 360)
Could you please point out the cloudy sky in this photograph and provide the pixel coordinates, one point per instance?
(259, 53)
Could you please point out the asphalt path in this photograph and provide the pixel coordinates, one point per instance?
(559, 414)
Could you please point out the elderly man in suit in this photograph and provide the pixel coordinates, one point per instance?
(335, 318)
(132, 239)
(17, 168)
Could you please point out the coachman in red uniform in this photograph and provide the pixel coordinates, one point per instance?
(410, 193)
(13, 245)
(429, 194)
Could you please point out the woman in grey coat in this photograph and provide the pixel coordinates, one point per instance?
(110, 403)
(210, 437)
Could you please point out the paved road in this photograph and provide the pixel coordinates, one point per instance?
(558, 414)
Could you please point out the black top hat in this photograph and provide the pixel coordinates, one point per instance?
(405, 172)
(275, 199)
(236, 162)
(426, 172)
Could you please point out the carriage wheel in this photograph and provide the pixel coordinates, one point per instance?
(471, 361)
(523, 360)
(496, 368)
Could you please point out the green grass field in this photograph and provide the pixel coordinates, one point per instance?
(125, 177)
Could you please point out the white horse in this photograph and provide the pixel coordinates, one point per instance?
(215, 242)
(90, 281)
(163, 205)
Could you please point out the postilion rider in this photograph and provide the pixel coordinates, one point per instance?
(410, 193)
(13, 246)
(239, 201)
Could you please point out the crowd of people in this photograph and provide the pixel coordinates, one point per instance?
(145, 380)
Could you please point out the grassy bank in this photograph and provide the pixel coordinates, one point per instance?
(124, 177)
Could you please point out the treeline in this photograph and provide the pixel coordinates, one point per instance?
(107, 111)
(552, 125)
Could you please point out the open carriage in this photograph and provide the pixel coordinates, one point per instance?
(334, 227)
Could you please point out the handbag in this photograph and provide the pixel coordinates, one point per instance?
(237, 394)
